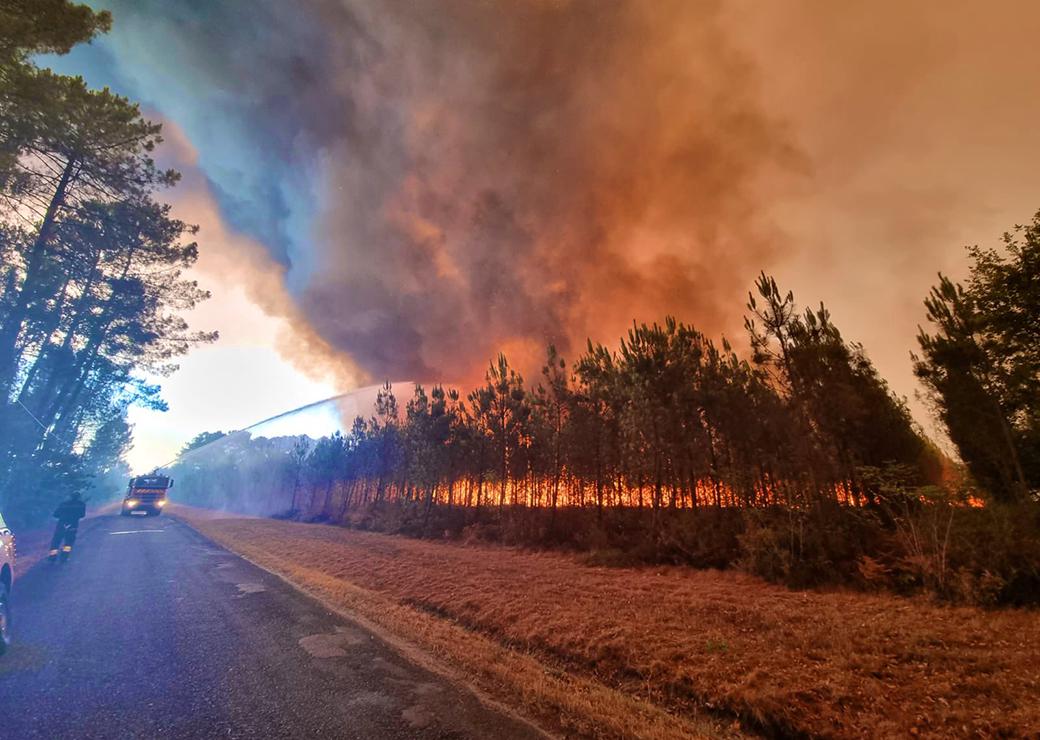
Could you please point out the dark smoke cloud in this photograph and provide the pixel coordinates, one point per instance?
(442, 180)
(438, 180)
(512, 174)
(247, 83)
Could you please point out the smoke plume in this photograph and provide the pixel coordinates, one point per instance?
(505, 175)
(437, 180)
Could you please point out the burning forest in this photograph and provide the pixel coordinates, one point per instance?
(798, 463)
(596, 462)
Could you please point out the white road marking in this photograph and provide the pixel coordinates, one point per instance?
(138, 531)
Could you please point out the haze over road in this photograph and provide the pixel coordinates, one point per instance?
(153, 631)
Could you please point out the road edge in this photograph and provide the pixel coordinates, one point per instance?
(400, 645)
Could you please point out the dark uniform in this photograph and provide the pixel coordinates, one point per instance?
(68, 514)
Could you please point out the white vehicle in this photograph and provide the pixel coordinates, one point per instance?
(6, 582)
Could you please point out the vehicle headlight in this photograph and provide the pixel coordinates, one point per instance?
(161, 502)
(131, 502)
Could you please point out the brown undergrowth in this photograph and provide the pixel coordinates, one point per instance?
(668, 652)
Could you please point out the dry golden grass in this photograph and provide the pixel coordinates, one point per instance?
(669, 652)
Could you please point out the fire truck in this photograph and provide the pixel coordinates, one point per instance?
(146, 493)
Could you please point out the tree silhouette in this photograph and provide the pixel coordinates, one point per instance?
(982, 363)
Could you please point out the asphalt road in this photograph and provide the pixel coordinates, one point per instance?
(152, 631)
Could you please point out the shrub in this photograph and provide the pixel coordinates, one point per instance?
(919, 541)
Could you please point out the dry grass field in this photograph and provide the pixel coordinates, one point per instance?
(651, 652)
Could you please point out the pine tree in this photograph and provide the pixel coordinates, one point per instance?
(982, 363)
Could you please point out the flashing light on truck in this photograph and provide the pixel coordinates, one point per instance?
(146, 493)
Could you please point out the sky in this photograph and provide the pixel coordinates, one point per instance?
(395, 189)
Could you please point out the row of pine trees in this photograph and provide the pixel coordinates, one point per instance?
(670, 419)
(667, 420)
(796, 462)
(90, 283)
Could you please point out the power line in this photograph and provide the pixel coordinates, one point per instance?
(30, 413)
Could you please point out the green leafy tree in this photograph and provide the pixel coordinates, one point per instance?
(46, 26)
(200, 440)
(296, 461)
(502, 410)
(551, 403)
(95, 168)
(428, 434)
(597, 415)
(91, 286)
(30, 27)
(324, 465)
(843, 415)
(981, 363)
(388, 449)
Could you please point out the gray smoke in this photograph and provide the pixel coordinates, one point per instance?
(512, 174)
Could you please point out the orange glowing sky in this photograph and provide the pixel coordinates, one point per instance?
(400, 189)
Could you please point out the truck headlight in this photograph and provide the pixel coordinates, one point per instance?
(131, 502)
(161, 502)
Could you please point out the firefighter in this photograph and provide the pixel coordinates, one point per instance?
(68, 514)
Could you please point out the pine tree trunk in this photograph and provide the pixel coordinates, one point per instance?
(12, 326)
